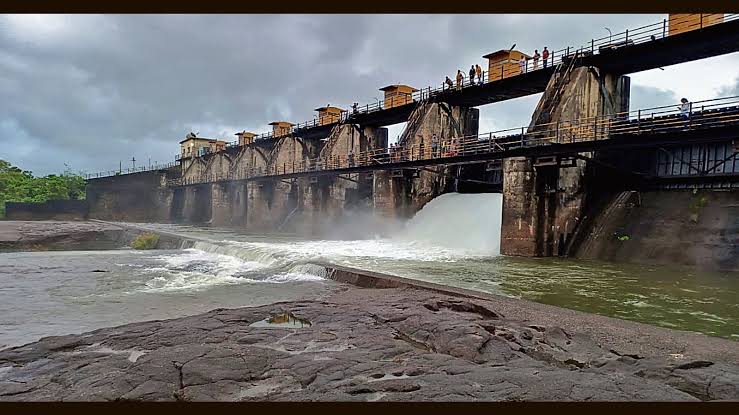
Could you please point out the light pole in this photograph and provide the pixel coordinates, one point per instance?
(610, 35)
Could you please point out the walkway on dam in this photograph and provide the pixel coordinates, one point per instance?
(707, 121)
(633, 50)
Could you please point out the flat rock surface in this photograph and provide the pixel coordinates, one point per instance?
(25, 234)
(376, 345)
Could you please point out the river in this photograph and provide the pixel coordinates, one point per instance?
(454, 240)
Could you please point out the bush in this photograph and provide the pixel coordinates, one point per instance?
(17, 185)
(146, 240)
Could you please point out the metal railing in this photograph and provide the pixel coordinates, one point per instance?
(129, 170)
(629, 37)
(700, 115)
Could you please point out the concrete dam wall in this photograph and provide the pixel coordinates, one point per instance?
(679, 227)
(139, 197)
(566, 205)
(304, 205)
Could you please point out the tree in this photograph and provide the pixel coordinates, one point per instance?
(18, 185)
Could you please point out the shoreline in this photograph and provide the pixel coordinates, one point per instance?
(377, 337)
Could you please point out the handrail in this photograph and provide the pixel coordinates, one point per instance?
(628, 37)
(702, 114)
(129, 170)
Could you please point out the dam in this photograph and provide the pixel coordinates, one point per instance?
(587, 178)
(592, 254)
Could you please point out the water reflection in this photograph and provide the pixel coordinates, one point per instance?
(282, 321)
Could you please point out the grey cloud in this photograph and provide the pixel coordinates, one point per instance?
(650, 97)
(731, 91)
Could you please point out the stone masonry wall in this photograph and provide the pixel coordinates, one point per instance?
(137, 197)
(327, 200)
(555, 194)
(428, 119)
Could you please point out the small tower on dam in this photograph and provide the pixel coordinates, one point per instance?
(397, 95)
(245, 138)
(329, 115)
(281, 128)
(504, 63)
(685, 22)
(193, 146)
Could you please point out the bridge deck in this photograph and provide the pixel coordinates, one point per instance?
(713, 121)
(639, 53)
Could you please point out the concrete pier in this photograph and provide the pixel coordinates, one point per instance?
(543, 201)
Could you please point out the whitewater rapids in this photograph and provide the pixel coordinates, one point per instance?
(453, 227)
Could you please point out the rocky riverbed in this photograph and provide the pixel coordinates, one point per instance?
(362, 344)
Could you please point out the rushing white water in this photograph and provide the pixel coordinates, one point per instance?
(453, 227)
(467, 223)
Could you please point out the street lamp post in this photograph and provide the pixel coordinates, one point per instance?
(610, 35)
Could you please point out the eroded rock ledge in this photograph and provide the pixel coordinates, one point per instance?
(72, 235)
(363, 344)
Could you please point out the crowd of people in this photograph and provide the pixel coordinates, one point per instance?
(396, 152)
(544, 56)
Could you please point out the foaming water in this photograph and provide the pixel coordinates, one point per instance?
(454, 240)
(465, 223)
(227, 263)
(453, 227)
(195, 270)
(57, 292)
(61, 294)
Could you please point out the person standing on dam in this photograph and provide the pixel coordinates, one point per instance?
(684, 108)
(522, 64)
(460, 78)
(472, 75)
(545, 56)
(536, 59)
(478, 72)
(449, 82)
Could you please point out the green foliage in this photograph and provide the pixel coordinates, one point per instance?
(146, 240)
(623, 238)
(18, 185)
(697, 204)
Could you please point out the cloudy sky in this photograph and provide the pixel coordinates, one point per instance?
(89, 91)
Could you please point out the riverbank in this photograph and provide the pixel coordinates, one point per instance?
(377, 344)
(368, 336)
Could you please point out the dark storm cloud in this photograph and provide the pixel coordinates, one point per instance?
(92, 90)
